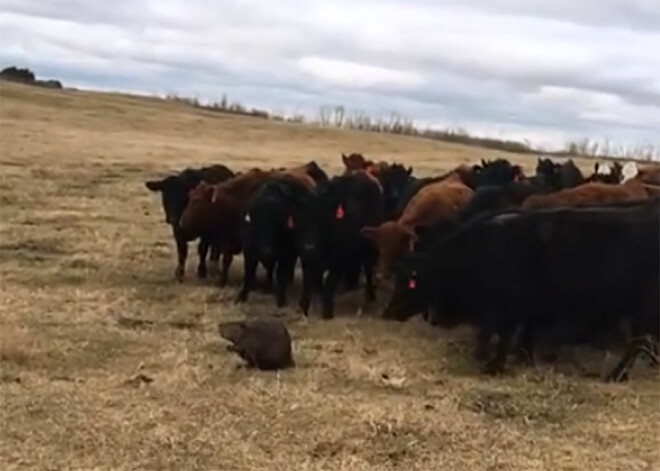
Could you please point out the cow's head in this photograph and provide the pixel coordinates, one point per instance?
(173, 191)
(408, 297)
(199, 202)
(268, 218)
(495, 173)
(394, 179)
(354, 161)
(393, 240)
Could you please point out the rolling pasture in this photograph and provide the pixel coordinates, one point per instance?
(85, 252)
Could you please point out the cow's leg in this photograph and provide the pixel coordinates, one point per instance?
(311, 283)
(525, 351)
(182, 255)
(291, 274)
(505, 331)
(635, 348)
(352, 278)
(329, 289)
(214, 259)
(484, 334)
(268, 282)
(283, 269)
(227, 258)
(250, 263)
(202, 251)
(369, 288)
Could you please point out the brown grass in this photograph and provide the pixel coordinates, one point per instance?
(83, 244)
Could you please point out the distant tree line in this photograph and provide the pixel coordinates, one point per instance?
(338, 116)
(15, 74)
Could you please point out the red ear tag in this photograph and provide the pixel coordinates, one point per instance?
(412, 284)
(339, 214)
(289, 222)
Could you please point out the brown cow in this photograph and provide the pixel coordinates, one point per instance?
(356, 162)
(649, 174)
(592, 194)
(218, 208)
(434, 203)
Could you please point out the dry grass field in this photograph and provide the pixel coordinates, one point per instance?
(83, 243)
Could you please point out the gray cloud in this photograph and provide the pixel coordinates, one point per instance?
(558, 70)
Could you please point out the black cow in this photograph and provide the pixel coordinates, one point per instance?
(532, 269)
(394, 179)
(268, 233)
(330, 239)
(174, 196)
(557, 176)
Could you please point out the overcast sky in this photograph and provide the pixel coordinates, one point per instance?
(544, 70)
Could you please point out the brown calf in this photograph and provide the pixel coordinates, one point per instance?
(434, 203)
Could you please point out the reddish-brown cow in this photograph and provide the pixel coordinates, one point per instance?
(356, 162)
(218, 208)
(592, 193)
(431, 205)
(649, 173)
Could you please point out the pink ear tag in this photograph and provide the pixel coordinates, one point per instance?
(412, 284)
(289, 222)
(339, 214)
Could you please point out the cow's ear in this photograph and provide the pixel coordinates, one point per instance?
(344, 158)
(409, 171)
(154, 185)
(369, 232)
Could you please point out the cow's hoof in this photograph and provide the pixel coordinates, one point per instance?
(179, 274)
(492, 368)
(241, 298)
(303, 305)
(201, 272)
(327, 314)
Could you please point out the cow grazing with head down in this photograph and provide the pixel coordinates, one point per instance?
(174, 191)
(435, 204)
(268, 230)
(432, 204)
(216, 209)
(593, 265)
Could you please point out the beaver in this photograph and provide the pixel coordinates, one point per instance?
(264, 343)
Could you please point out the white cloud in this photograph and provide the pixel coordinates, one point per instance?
(353, 75)
(544, 70)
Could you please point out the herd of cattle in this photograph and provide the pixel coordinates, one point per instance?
(515, 256)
